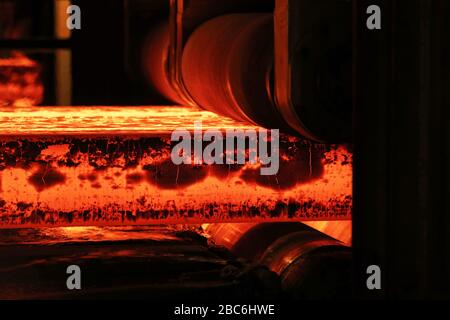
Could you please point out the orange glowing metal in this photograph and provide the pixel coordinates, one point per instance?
(107, 121)
(20, 83)
(75, 166)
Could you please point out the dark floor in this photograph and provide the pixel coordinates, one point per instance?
(155, 263)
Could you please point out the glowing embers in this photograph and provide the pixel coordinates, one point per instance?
(125, 180)
(20, 83)
(107, 121)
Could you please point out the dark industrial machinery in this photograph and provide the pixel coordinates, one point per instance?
(288, 67)
(235, 64)
(85, 149)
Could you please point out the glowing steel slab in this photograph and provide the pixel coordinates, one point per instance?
(106, 121)
(81, 166)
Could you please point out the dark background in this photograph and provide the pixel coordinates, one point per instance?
(401, 217)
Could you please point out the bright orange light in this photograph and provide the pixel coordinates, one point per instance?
(20, 83)
(107, 121)
(93, 166)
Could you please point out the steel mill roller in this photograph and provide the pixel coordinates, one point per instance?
(247, 66)
(101, 167)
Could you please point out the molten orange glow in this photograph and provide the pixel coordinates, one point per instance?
(340, 230)
(107, 121)
(111, 166)
(20, 83)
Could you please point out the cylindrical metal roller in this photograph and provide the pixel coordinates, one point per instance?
(322, 271)
(310, 263)
(254, 242)
(155, 62)
(227, 68)
(320, 62)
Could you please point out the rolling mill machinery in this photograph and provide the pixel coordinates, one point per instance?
(86, 118)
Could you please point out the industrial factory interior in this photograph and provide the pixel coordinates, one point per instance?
(229, 151)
